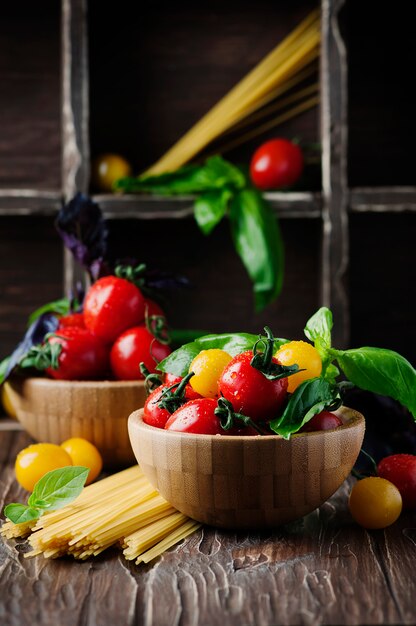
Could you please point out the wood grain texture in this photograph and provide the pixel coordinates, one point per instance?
(247, 482)
(325, 570)
(30, 96)
(54, 411)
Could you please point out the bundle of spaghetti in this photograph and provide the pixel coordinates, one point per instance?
(274, 75)
(123, 509)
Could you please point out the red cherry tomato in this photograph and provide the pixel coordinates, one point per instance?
(152, 308)
(132, 347)
(190, 394)
(325, 420)
(249, 391)
(112, 305)
(72, 319)
(400, 469)
(196, 416)
(277, 163)
(84, 356)
(153, 414)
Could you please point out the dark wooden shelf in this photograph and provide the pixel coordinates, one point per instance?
(29, 202)
(383, 199)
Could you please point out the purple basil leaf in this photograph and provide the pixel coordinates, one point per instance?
(81, 225)
(35, 334)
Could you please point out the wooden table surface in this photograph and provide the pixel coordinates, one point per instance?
(323, 570)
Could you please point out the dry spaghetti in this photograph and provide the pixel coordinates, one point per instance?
(285, 66)
(123, 509)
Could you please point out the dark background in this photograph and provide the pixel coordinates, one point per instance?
(152, 75)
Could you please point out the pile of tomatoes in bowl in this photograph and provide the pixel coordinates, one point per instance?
(109, 338)
(240, 395)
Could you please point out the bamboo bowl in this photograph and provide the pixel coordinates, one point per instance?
(55, 410)
(247, 482)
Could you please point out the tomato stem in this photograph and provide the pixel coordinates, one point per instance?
(151, 380)
(228, 416)
(172, 400)
(263, 361)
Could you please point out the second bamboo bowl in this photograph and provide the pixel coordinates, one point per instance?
(247, 482)
(55, 410)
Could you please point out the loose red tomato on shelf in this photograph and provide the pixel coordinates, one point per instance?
(83, 355)
(400, 469)
(249, 391)
(276, 163)
(112, 305)
(132, 347)
(325, 420)
(106, 169)
(197, 417)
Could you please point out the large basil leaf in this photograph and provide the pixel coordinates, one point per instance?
(258, 242)
(59, 487)
(311, 397)
(178, 362)
(216, 173)
(381, 371)
(210, 208)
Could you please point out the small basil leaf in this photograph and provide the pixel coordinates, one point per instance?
(178, 362)
(60, 487)
(258, 242)
(57, 307)
(319, 326)
(311, 397)
(210, 208)
(20, 513)
(380, 371)
(332, 372)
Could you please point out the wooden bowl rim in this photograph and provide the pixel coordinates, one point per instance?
(354, 419)
(42, 382)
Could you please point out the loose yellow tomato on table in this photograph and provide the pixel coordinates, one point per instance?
(84, 453)
(106, 169)
(375, 502)
(36, 460)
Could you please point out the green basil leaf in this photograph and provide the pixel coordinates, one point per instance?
(258, 242)
(319, 326)
(58, 307)
(181, 336)
(381, 371)
(19, 513)
(210, 208)
(311, 397)
(4, 366)
(332, 372)
(59, 487)
(178, 362)
(216, 173)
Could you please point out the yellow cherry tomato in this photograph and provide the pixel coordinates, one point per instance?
(375, 502)
(36, 460)
(7, 401)
(306, 356)
(82, 452)
(208, 366)
(106, 169)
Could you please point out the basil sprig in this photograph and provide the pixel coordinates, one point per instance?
(53, 491)
(223, 189)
